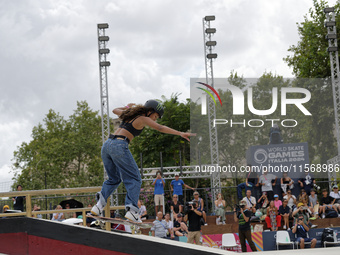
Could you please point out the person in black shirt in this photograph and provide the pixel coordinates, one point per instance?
(284, 211)
(194, 217)
(307, 182)
(18, 201)
(180, 228)
(243, 219)
(326, 202)
(176, 206)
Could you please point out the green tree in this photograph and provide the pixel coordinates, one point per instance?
(310, 59)
(65, 152)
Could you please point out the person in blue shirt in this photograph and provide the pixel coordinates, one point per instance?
(177, 187)
(159, 184)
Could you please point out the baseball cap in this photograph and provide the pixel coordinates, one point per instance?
(300, 204)
(242, 202)
(276, 195)
(176, 174)
(179, 215)
(6, 206)
(335, 187)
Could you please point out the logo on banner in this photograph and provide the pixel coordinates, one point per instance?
(260, 156)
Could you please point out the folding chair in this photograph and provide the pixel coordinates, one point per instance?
(283, 238)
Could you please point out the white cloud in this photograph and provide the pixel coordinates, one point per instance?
(49, 52)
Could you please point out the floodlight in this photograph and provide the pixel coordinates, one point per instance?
(105, 63)
(211, 43)
(104, 51)
(103, 38)
(210, 30)
(328, 9)
(332, 49)
(212, 55)
(103, 26)
(209, 18)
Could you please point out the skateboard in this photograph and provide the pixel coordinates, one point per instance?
(135, 226)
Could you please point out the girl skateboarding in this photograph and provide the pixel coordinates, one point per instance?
(117, 158)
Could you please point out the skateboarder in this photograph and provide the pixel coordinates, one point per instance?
(117, 158)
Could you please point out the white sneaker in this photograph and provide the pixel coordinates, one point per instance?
(323, 216)
(223, 222)
(133, 216)
(288, 229)
(96, 211)
(284, 227)
(205, 224)
(217, 220)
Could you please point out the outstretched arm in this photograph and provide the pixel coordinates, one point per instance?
(164, 129)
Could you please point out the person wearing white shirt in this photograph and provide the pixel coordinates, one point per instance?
(251, 201)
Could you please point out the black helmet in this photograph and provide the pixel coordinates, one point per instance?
(156, 106)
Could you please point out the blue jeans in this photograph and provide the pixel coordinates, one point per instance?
(243, 186)
(120, 166)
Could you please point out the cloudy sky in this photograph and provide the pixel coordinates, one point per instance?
(49, 57)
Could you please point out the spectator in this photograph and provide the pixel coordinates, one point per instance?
(18, 201)
(175, 206)
(201, 206)
(335, 195)
(273, 218)
(142, 211)
(303, 198)
(277, 201)
(286, 183)
(243, 219)
(313, 204)
(301, 211)
(58, 216)
(307, 182)
(220, 209)
(177, 187)
(5, 208)
(251, 179)
(170, 232)
(263, 203)
(291, 200)
(301, 229)
(159, 184)
(284, 211)
(251, 201)
(160, 227)
(326, 203)
(267, 181)
(35, 209)
(68, 215)
(194, 217)
(180, 228)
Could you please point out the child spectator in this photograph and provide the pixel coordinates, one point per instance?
(313, 204)
(220, 209)
(170, 232)
(142, 211)
(180, 228)
(273, 218)
(335, 195)
(277, 201)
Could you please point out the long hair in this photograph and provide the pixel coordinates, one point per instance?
(133, 112)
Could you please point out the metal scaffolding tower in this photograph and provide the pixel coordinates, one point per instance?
(209, 57)
(334, 61)
(104, 95)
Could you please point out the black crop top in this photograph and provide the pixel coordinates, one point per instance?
(128, 126)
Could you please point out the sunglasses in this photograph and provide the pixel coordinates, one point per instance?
(175, 197)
